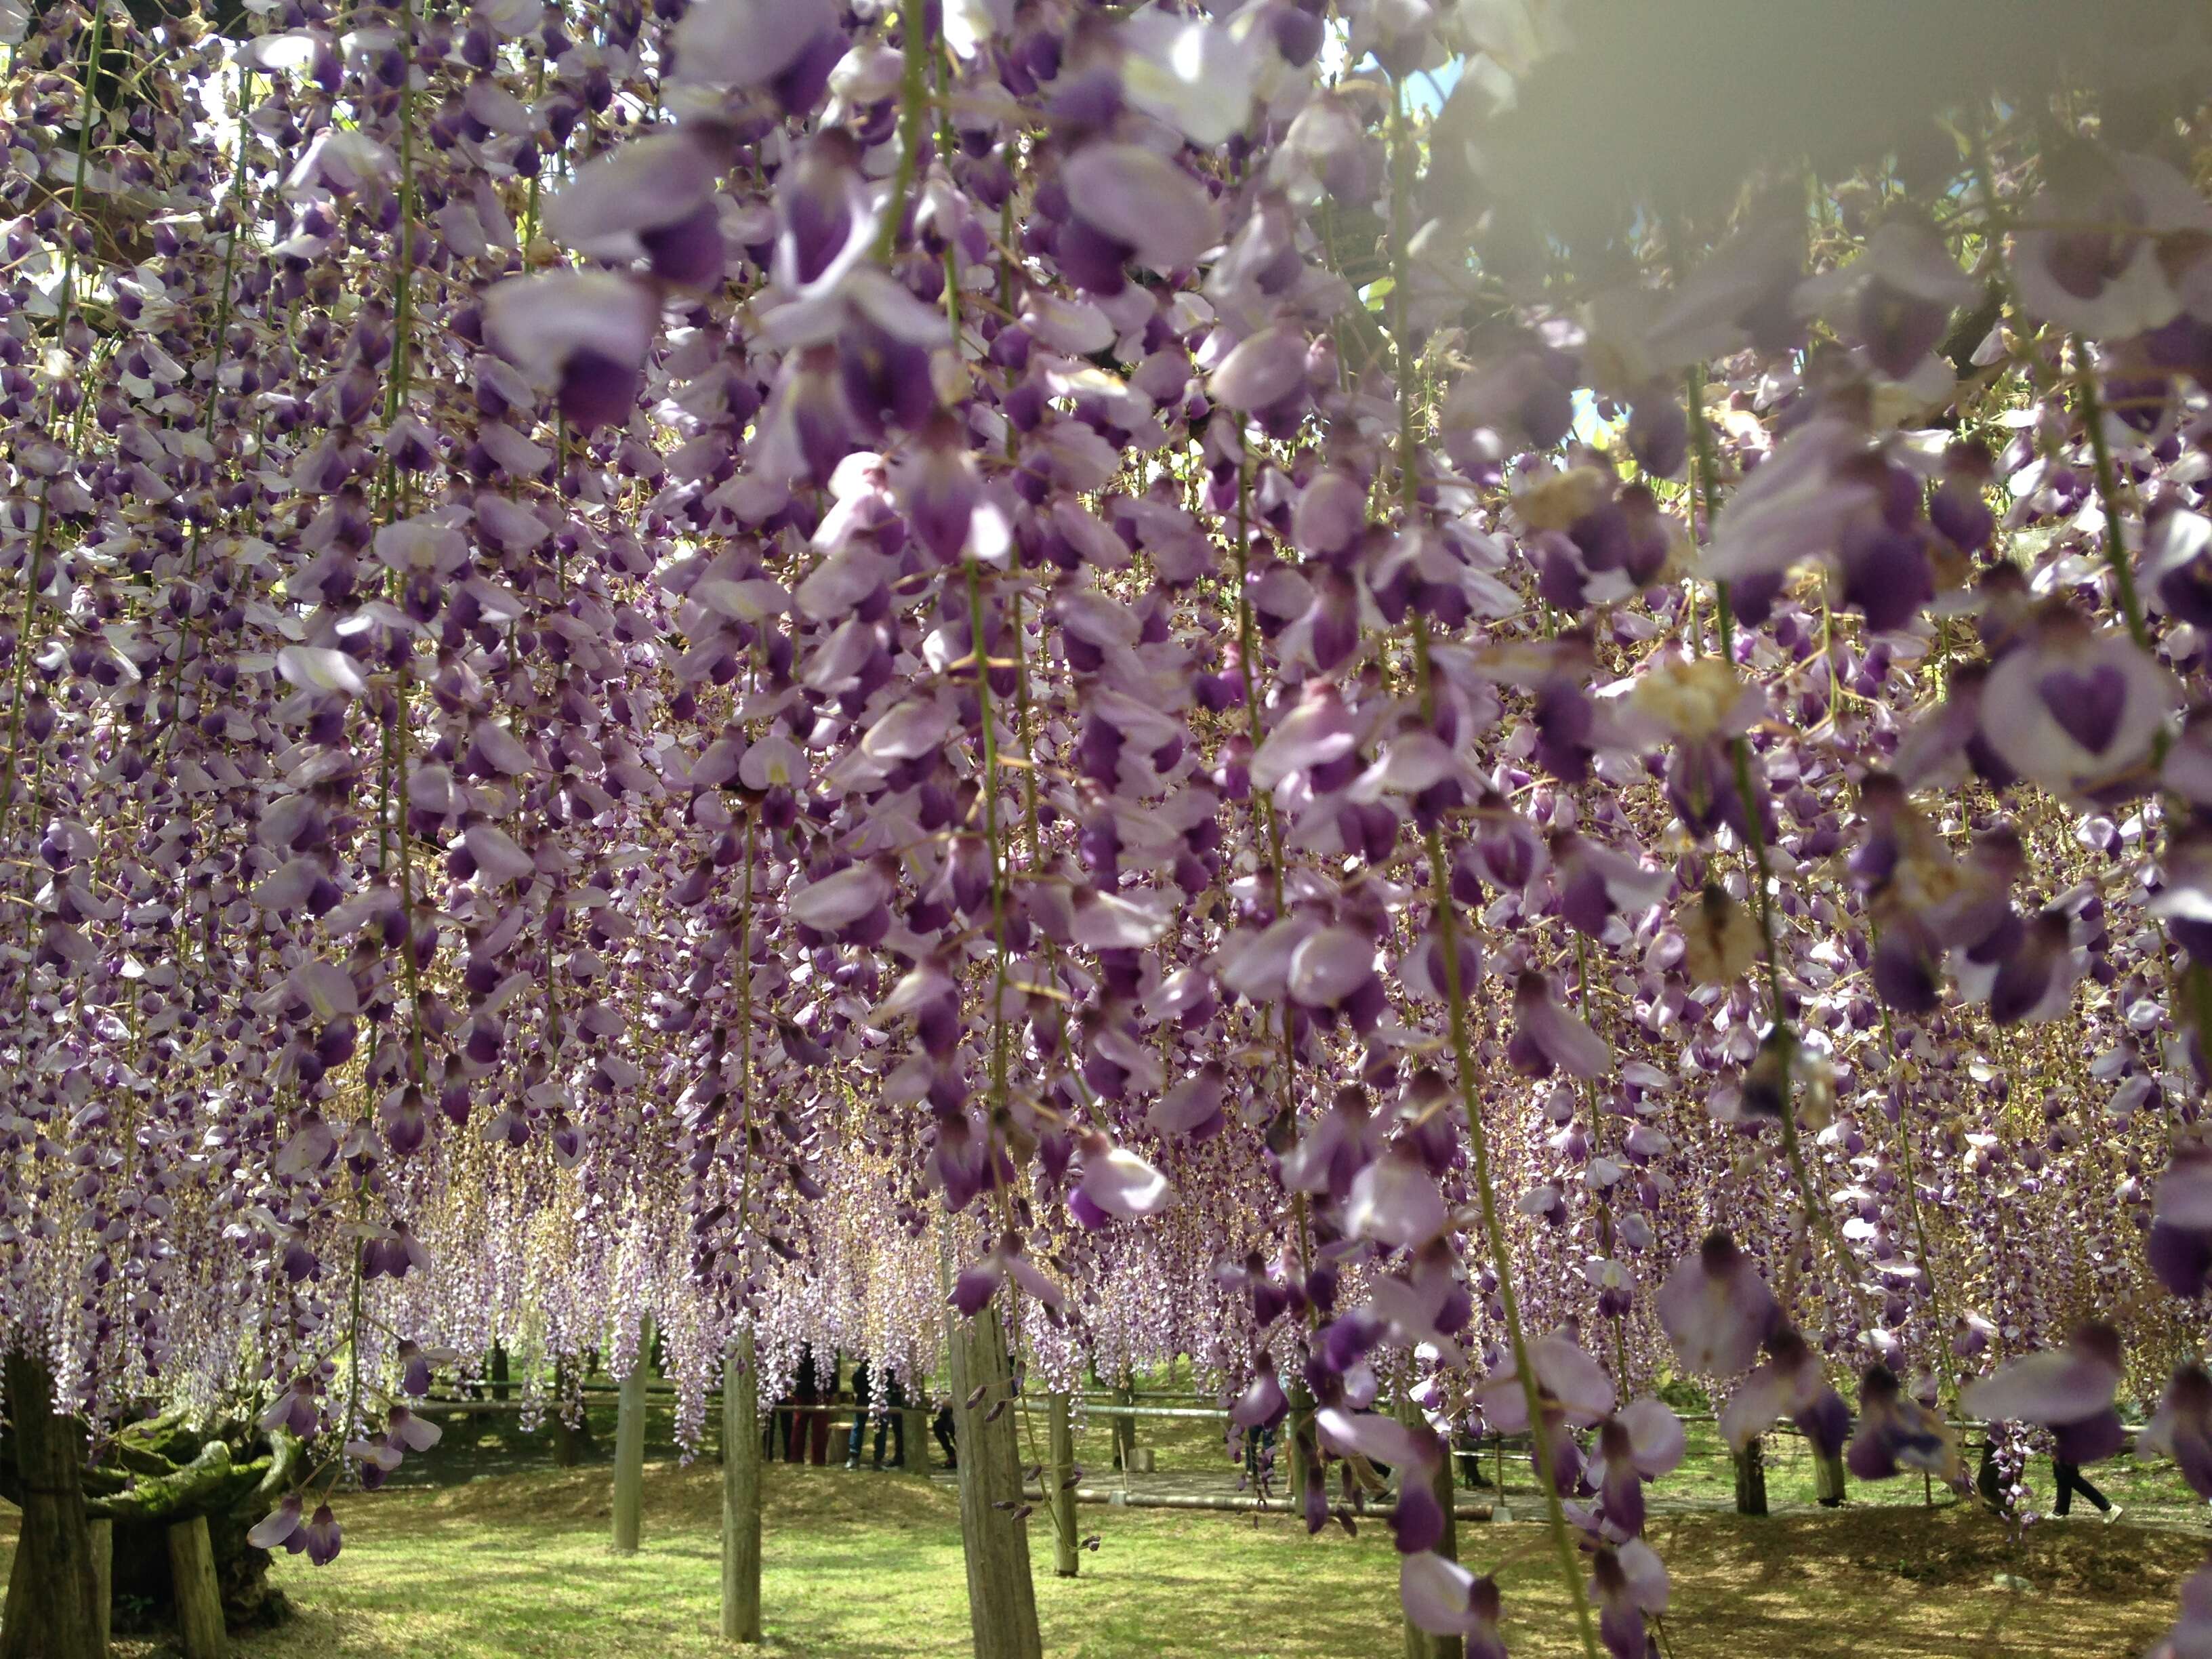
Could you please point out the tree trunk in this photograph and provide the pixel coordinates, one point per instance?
(52, 1610)
(1447, 1647)
(630, 1446)
(1125, 1425)
(501, 1387)
(914, 1439)
(1420, 1643)
(103, 1578)
(1751, 1481)
(199, 1599)
(1001, 1599)
(741, 1494)
(1296, 1427)
(1059, 1487)
(572, 1443)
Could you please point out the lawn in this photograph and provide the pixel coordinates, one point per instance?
(868, 1567)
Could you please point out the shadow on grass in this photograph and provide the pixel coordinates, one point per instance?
(869, 1567)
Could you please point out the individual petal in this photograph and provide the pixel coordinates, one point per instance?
(1122, 1184)
(318, 670)
(1436, 1593)
(279, 1524)
(645, 183)
(744, 43)
(2075, 708)
(1191, 74)
(1140, 198)
(2057, 1385)
(839, 900)
(1793, 505)
(1374, 1436)
(583, 333)
(1395, 1200)
(1656, 1438)
(1190, 1105)
(1328, 965)
(499, 862)
(1262, 370)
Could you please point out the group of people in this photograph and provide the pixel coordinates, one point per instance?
(808, 1414)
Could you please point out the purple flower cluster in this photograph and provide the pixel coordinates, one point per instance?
(803, 668)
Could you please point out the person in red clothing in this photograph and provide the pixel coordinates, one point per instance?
(810, 1403)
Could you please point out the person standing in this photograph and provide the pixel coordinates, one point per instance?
(942, 1428)
(892, 1421)
(825, 1415)
(862, 1377)
(812, 1400)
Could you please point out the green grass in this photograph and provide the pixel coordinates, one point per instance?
(862, 1566)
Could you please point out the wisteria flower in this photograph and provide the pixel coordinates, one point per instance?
(2075, 709)
(581, 334)
(2068, 1390)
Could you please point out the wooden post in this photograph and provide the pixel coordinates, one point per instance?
(1420, 1643)
(1751, 1481)
(1828, 1479)
(1125, 1424)
(200, 1598)
(571, 1444)
(630, 1446)
(1059, 1486)
(1296, 1427)
(54, 1584)
(103, 1582)
(741, 1494)
(1447, 1647)
(914, 1438)
(1001, 1598)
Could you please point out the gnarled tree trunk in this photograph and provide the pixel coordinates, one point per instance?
(53, 1593)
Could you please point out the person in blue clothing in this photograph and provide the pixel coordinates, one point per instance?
(893, 1418)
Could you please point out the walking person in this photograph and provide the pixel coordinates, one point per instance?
(2069, 1481)
(894, 1418)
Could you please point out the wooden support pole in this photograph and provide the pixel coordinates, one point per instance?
(1125, 1422)
(199, 1597)
(741, 1494)
(103, 1583)
(1750, 1480)
(914, 1437)
(1001, 1597)
(1828, 1479)
(50, 1612)
(1059, 1486)
(1296, 1427)
(630, 1446)
(1447, 1647)
(1418, 1643)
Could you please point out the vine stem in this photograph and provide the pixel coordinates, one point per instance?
(1463, 1054)
(1816, 1217)
(1264, 818)
(914, 108)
